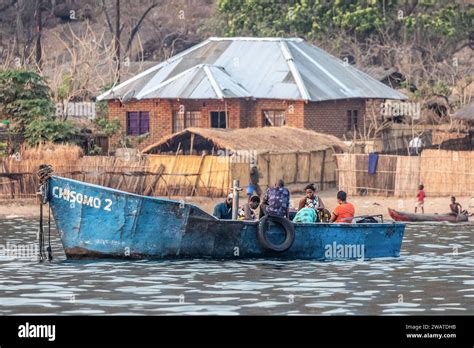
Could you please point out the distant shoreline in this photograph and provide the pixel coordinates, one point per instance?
(365, 205)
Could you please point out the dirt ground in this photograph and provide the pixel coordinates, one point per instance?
(366, 205)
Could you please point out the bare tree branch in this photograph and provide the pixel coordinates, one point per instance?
(107, 17)
(137, 27)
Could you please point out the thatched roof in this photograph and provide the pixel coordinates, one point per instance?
(379, 72)
(261, 140)
(466, 113)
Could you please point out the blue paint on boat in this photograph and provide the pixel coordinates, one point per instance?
(100, 222)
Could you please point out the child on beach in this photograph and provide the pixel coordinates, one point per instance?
(420, 199)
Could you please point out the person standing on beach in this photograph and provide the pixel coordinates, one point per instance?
(254, 178)
(420, 199)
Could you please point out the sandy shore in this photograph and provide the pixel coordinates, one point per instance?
(366, 205)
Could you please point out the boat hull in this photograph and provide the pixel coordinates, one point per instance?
(409, 217)
(96, 222)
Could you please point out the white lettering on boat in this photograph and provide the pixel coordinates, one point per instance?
(77, 197)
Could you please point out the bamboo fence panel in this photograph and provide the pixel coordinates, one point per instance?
(346, 168)
(407, 177)
(303, 161)
(445, 173)
(442, 172)
(188, 174)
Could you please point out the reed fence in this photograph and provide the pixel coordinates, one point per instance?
(442, 172)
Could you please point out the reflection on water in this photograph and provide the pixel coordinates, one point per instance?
(434, 275)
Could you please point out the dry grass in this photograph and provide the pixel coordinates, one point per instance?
(51, 152)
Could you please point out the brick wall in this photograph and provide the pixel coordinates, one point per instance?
(330, 117)
(161, 116)
(327, 117)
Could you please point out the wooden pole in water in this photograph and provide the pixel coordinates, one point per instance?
(235, 201)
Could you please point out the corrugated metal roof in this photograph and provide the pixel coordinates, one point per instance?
(270, 68)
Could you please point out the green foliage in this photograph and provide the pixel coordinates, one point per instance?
(3, 149)
(24, 97)
(96, 151)
(64, 88)
(125, 142)
(102, 109)
(316, 19)
(108, 127)
(49, 130)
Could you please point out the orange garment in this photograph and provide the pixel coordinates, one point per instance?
(344, 210)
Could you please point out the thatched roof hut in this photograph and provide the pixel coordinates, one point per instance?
(466, 113)
(259, 140)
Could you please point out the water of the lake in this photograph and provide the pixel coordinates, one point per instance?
(434, 275)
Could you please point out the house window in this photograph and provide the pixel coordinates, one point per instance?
(273, 118)
(138, 122)
(218, 119)
(183, 120)
(352, 116)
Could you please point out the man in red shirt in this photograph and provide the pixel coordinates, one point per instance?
(344, 212)
(420, 199)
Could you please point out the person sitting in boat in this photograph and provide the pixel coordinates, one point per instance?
(345, 211)
(278, 200)
(223, 210)
(306, 215)
(311, 200)
(456, 208)
(248, 210)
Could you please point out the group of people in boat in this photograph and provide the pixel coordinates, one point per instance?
(276, 202)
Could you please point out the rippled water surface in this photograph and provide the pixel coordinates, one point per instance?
(434, 275)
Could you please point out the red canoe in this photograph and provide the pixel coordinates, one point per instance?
(402, 216)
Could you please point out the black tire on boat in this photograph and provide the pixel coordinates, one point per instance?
(287, 226)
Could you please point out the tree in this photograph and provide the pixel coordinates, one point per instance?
(117, 28)
(49, 130)
(425, 40)
(24, 97)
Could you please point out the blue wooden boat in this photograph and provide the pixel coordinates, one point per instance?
(98, 222)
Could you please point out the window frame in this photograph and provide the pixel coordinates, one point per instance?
(273, 117)
(141, 127)
(186, 119)
(219, 118)
(352, 120)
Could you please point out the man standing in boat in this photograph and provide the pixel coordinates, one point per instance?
(277, 200)
(223, 210)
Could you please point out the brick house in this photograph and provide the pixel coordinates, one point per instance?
(245, 82)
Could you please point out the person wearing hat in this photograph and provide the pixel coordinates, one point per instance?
(223, 210)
